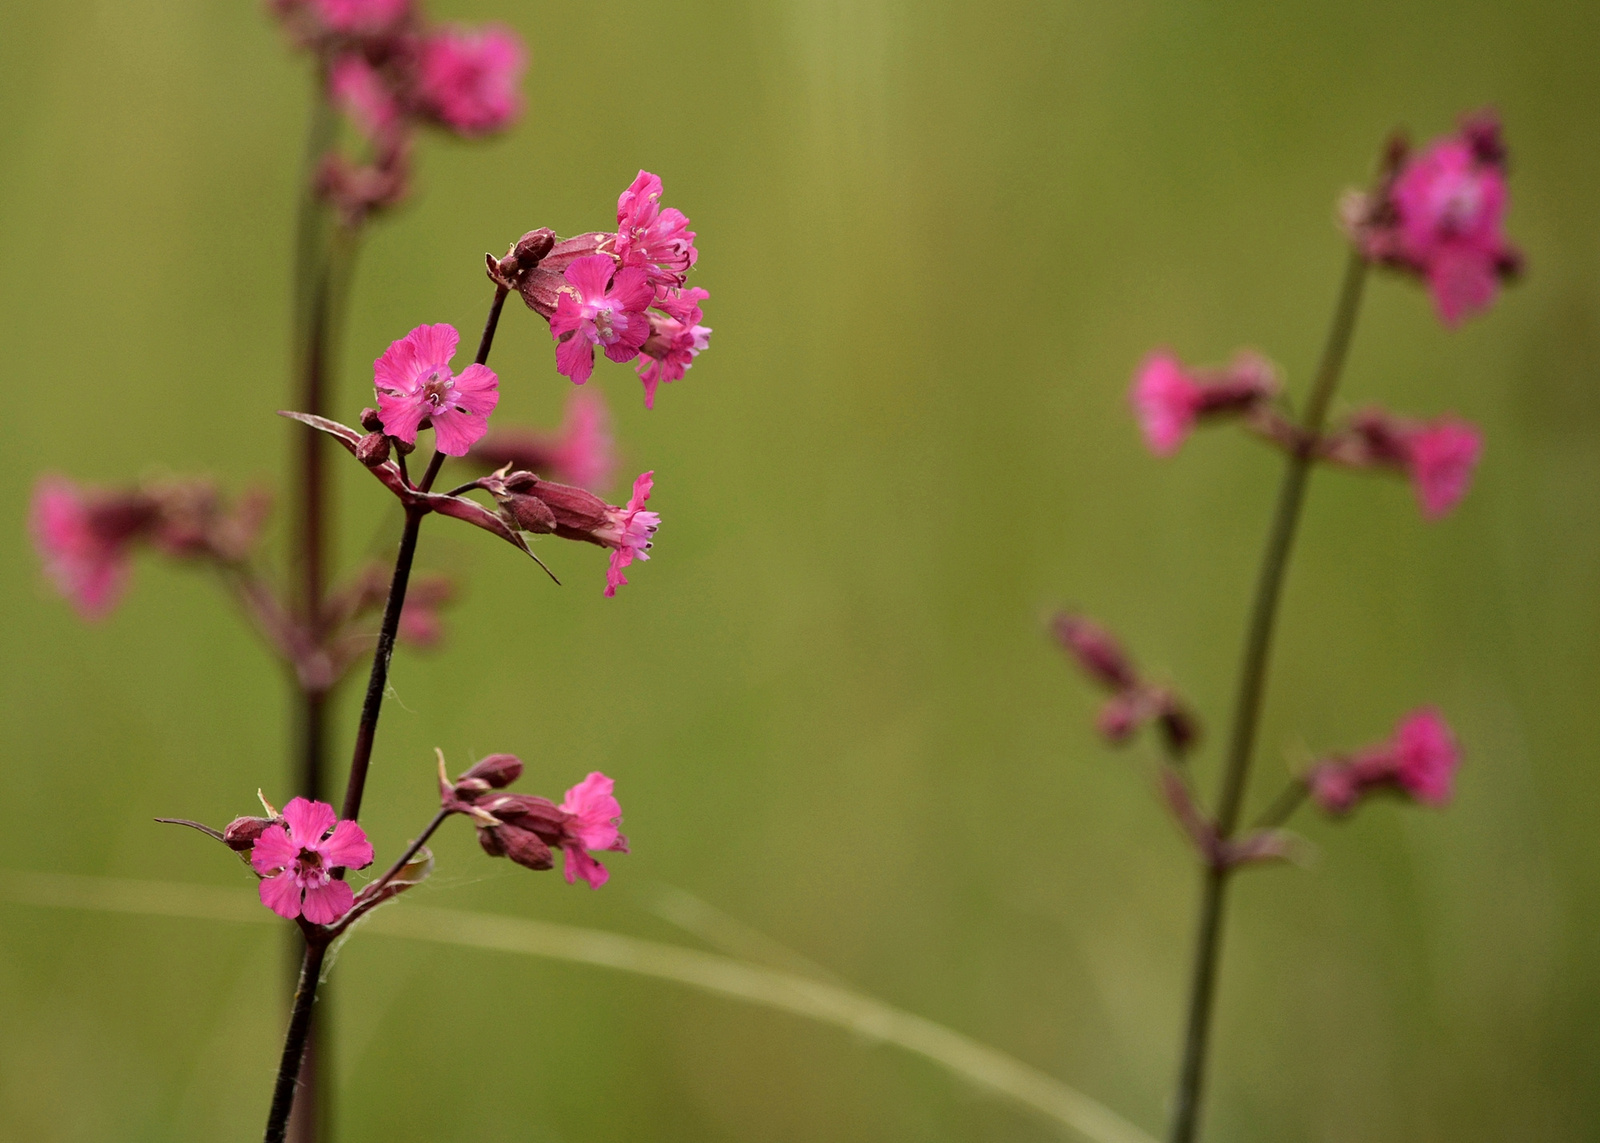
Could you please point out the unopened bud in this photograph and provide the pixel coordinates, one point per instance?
(1096, 650)
(532, 247)
(372, 449)
(1178, 724)
(520, 845)
(525, 811)
(241, 834)
(1120, 717)
(495, 772)
(370, 420)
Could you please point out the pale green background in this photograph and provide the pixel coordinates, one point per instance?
(937, 237)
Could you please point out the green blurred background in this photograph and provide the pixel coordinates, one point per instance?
(937, 236)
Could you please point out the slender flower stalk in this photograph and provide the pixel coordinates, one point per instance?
(300, 1023)
(1251, 689)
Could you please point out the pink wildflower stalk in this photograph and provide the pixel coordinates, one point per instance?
(1440, 458)
(85, 541)
(628, 532)
(595, 816)
(415, 385)
(470, 79)
(599, 306)
(297, 860)
(1419, 761)
(656, 240)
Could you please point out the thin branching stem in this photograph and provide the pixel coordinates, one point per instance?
(1249, 695)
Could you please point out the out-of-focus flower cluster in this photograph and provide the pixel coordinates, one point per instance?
(388, 69)
(1440, 216)
(1418, 761)
(621, 292)
(1133, 700)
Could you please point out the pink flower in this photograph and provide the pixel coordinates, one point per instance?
(1451, 203)
(595, 816)
(297, 861)
(415, 384)
(1419, 760)
(470, 78)
(1166, 400)
(358, 90)
(600, 306)
(628, 532)
(361, 17)
(1426, 757)
(657, 240)
(85, 542)
(668, 352)
(583, 452)
(1440, 458)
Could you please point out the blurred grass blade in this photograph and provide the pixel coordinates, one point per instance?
(818, 1000)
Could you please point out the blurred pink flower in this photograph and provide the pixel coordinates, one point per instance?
(470, 78)
(656, 240)
(1166, 399)
(583, 452)
(85, 541)
(297, 859)
(1440, 458)
(628, 532)
(600, 306)
(414, 383)
(361, 17)
(1419, 760)
(360, 92)
(595, 816)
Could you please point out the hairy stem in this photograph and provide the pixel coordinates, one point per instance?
(294, 1043)
(1247, 703)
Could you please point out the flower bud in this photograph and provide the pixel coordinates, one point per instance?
(538, 815)
(1096, 650)
(373, 449)
(1120, 717)
(241, 833)
(520, 845)
(370, 420)
(495, 772)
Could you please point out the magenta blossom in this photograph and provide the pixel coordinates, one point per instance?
(471, 78)
(415, 384)
(668, 352)
(359, 90)
(628, 532)
(595, 816)
(361, 17)
(298, 858)
(1440, 458)
(1419, 760)
(86, 541)
(656, 240)
(599, 306)
(1166, 399)
(1450, 203)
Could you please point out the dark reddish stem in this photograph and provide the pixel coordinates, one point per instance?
(294, 1047)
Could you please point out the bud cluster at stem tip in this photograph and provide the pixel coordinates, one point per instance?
(1133, 701)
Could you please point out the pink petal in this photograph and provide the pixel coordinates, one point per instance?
(434, 344)
(477, 389)
(591, 275)
(575, 357)
(455, 433)
(281, 894)
(273, 850)
(580, 864)
(631, 290)
(643, 484)
(568, 316)
(348, 847)
(327, 903)
(402, 415)
(308, 821)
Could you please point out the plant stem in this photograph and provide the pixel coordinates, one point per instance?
(1251, 688)
(411, 850)
(294, 1043)
(294, 1046)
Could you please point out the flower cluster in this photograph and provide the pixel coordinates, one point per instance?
(621, 292)
(1133, 701)
(86, 537)
(528, 829)
(388, 69)
(544, 507)
(1418, 761)
(1438, 456)
(1440, 217)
